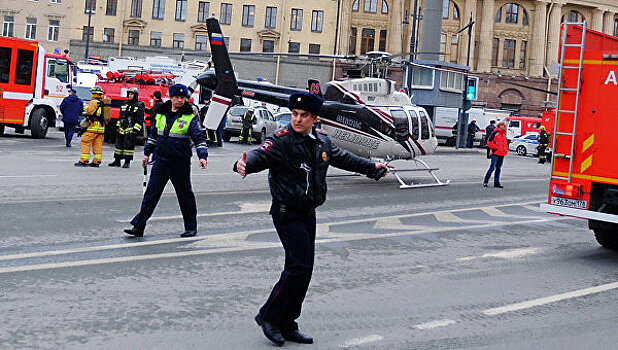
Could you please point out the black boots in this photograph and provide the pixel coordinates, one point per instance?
(135, 232)
(81, 164)
(116, 162)
(190, 233)
(126, 164)
(270, 331)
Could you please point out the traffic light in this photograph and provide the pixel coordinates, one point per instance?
(472, 88)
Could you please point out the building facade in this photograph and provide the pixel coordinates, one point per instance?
(47, 21)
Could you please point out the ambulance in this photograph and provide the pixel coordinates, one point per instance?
(33, 83)
(584, 174)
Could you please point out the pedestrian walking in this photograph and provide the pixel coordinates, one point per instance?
(129, 125)
(247, 126)
(472, 130)
(499, 149)
(175, 126)
(489, 129)
(297, 157)
(92, 137)
(543, 139)
(71, 108)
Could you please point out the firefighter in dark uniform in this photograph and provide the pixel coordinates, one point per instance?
(543, 144)
(175, 126)
(247, 126)
(297, 157)
(128, 126)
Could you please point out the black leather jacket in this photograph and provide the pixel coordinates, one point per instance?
(298, 165)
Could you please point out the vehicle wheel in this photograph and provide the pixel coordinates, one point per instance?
(226, 137)
(450, 142)
(1, 129)
(521, 150)
(261, 137)
(39, 123)
(605, 233)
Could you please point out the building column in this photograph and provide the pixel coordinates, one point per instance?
(463, 37)
(394, 36)
(537, 54)
(597, 20)
(486, 36)
(608, 25)
(553, 37)
(344, 28)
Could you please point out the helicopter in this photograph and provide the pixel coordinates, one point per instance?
(364, 115)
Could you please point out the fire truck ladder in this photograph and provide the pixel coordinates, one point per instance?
(562, 89)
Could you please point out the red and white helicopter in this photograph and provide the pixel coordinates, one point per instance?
(366, 116)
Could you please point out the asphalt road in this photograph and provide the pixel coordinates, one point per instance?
(452, 267)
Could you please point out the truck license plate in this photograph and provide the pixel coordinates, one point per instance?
(571, 203)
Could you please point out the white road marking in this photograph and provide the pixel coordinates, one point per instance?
(550, 299)
(533, 208)
(434, 324)
(447, 217)
(390, 224)
(251, 246)
(23, 176)
(494, 212)
(505, 254)
(360, 341)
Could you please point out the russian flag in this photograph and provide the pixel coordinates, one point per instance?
(216, 39)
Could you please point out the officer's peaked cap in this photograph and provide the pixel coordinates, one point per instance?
(179, 90)
(306, 101)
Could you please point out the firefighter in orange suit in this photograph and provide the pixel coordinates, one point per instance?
(94, 134)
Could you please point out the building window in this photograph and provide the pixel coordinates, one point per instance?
(54, 30)
(422, 78)
(499, 15)
(371, 6)
(293, 47)
(442, 47)
(494, 52)
(181, 10)
(133, 37)
(384, 6)
(179, 41)
(245, 45)
(90, 6)
(296, 21)
(108, 35)
(226, 14)
(86, 32)
(202, 11)
(524, 18)
(136, 8)
(451, 81)
(382, 44)
(314, 49)
(201, 42)
(317, 21)
(616, 27)
(271, 17)
(56, 1)
(352, 48)
(158, 9)
(512, 13)
(355, 5)
(110, 9)
(367, 40)
(7, 26)
(522, 54)
(574, 16)
(508, 55)
(248, 15)
(454, 48)
(30, 28)
(269, 46)
(155, 39)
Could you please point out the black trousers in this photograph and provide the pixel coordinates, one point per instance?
(296, 230)
(125, 146)
(179, 172)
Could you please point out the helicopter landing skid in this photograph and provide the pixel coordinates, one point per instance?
(425, 167)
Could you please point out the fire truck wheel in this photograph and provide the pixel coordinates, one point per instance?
(39, 123)
(605, 233)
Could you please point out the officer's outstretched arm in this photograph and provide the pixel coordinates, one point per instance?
(345, 160)
(267, 156)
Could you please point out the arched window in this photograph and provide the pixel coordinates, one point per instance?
(616, 27)
(512, 13)
(371, 6)
(524, 20)
(449, 7)
(573, 16)
(355, 5)
(384, 6)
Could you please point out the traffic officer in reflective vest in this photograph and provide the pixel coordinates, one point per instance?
(93, 136)
(247, 126)
(128, 126)
(175, 125)
(297, 157)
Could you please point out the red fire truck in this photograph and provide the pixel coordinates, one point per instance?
(584, 178)
(32, 85)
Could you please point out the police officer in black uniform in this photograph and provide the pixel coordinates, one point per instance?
(174, 127)
(297, 157)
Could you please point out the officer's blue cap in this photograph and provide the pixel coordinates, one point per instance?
(306, 101)
(179, 90)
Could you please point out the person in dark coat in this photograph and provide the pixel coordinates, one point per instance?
(157, 102)
(71, 108)
(472, 130)
(489, 129)
(297, 157)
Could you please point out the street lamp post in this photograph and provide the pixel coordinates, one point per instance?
(88, 34)
(462, 132)
(412, 49)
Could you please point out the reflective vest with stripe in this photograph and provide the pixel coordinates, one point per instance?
(180, 128)
(96, 126)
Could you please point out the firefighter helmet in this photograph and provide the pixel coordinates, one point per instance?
(133, 91)
(96, 90)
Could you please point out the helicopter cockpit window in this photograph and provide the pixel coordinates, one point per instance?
(432, 128)
(347, 99)
(424, 129)
(400, 119)
(414, 122)
(331, 93)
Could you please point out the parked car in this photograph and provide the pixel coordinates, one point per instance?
(263, 125)
(283, 118)
(525, 144)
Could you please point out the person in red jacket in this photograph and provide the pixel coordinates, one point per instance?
(499, 149)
